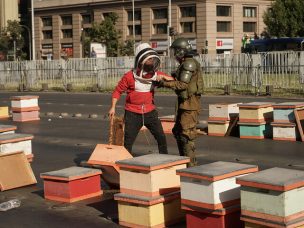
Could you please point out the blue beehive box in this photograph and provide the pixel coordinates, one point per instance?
(284, 112)
(255, 130)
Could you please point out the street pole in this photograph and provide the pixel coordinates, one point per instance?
(33, 31)
(133, 15)
(30, 39)
(169, 25)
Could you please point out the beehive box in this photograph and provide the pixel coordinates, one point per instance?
(217, 127)
(167, 123)
(71, 184)
(255, 112)
(285, 131)
(105, 156)
(221, 218)
(223, 111)
(7, 129)
(255, 130)
(26, 116)
(16, 142)
(24, 103)
(273, 197)
(284, 112)
(212, 186)
(159, 211)
(151, 175)
(4, 112)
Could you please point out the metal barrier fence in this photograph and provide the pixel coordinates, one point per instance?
(243, 73)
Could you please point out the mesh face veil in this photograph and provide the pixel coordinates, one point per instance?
(147, 62)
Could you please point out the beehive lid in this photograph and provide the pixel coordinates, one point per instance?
(217, 171)
(11, 138)
(256, 105)
(71, 173)
(278, 124)
(105, 154)
(29, 97)
(5, 128)
(152, 162)
(169, 118)
(288, 105)
(251, 123)
(146, 200)
(278, 179)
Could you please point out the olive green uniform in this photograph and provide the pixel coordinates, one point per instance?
(188, 86)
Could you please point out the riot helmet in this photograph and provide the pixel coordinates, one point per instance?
(180, 48)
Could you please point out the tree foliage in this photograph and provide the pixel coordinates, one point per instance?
(11, 35)
(127, 48)
(106, 33)
(285, 18)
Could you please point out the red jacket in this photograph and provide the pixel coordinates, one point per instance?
(140, 94)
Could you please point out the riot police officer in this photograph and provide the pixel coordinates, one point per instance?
(188, 86)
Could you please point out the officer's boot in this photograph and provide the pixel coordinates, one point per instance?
(189, 151)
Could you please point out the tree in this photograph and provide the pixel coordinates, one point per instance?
(106, 33)
(285, 18)
(11, 38)
(127, 48)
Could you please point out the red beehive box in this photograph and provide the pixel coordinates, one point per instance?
(71, 184)
(221, 218)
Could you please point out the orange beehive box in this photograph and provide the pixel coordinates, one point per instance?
(105, 156)
(71, 184)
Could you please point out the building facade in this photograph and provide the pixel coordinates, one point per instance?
(8, 11)
(215, 26)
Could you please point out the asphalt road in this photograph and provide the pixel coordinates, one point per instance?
(62, 140)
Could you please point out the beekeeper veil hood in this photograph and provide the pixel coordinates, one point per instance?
(147, 61)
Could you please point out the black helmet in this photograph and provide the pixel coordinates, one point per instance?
(181, 47)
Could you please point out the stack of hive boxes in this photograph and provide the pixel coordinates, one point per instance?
(4, 112)
(284, 123)
(210, 195)
(150, 190)
(10, 143)
(220, 116)
(273, 198)
(71, 184)
(254, 120)
(25, 108)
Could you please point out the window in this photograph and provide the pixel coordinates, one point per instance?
(86, 19)
(249, 26)
(137, 15)
(223, 11)
(160, 28)
(187, 27)
(67, 33)
(66, 20)
(47, 21)
(188, 11)
(160, 13)
(47, 34)
(137, 30)
(249, 11)
(223, 26)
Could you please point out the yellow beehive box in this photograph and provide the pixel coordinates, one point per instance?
(4, 112)
(255, 112)
(161, 211)
(151, 175)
